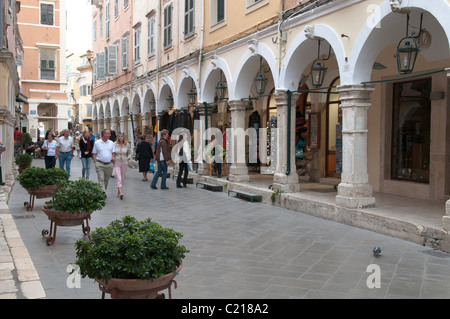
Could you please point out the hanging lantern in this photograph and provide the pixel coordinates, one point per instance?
(221, 88)
(260, 80)
(152, 104)
(407, 49)
(192, 95)
(318, 71)
(169, 101)
(318, 68)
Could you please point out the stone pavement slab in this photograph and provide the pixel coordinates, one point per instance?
(238, 249)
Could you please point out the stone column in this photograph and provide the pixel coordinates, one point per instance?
(354, 191)
(101, 126)
(124, 125)
(108, 123)
(285, 180)
(94, 126)
(238, 169)
(114, 125)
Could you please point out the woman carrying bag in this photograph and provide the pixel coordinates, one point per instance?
(144, 153)
(85, 147)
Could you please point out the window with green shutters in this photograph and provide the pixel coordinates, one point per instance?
(47, 14)
(47, 64)
(189, 13)
(167, 26)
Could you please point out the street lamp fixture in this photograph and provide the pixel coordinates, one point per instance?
(221, 88)
(318, 68)
(407, 49)
(260, 80)
(192, 95)
(169, 101)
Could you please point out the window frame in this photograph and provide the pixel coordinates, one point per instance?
(189, 18)
(52, 13)
(151, 37)
(168, 25)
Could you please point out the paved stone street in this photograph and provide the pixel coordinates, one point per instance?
(240, 249)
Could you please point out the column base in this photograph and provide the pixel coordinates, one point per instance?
(238, 173)
(286, 183)
(355, 196)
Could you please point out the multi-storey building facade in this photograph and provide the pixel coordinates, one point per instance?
(43, 74)
(344, 77)
(11, 54)
(79, 90)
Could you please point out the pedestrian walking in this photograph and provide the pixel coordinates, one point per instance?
(113, 138)
(103, 155)
(50, 146)
(86, 146)
(122, 156)
(184, 158)
(163, 156)
(144, 154)
(77, 143)
(64, 151)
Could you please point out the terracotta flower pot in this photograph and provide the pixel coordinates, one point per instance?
(41, 192)
(60, 218)
(138, 288)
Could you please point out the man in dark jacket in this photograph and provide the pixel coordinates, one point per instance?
(163, 156)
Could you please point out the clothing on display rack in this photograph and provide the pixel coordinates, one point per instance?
(254, 121)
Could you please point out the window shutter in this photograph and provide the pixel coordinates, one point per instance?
(95, 72)
(100, 66)
(50, 14)
(43, 14)
(112, 58)
(106, 62)
(125, 53)
(188, 17)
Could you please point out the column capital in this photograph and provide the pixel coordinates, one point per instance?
(237, 105)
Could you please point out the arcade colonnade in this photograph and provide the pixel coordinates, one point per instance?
(361, 62)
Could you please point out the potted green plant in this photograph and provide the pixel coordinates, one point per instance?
(72, 204)
(23, 161)
(131, 258)
(41, 182)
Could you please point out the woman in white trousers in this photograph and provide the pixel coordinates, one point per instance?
(123, 154)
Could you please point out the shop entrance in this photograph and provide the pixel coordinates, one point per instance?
(333, 127)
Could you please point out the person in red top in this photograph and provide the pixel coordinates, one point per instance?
(16, 132)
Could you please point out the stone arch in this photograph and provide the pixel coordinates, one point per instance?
(212, 77)
(373, 38)
(303, 51)
(166, 88)
(248, 67)
(187, 79)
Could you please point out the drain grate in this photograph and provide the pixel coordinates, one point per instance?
(436, 253)
(28, 216)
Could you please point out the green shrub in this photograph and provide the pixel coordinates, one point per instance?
(78, 196)
(130, 249)
(23, 160)
(35, 177)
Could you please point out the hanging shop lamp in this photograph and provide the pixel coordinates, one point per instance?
(152, 104)
(407, 49)
(221, 88)
(192, 95)
(260, 80)
(318, 68)
(169, 101)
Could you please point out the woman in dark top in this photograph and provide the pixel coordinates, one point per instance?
(86, 146)
(144, 153)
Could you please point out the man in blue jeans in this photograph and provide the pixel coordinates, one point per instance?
(64, 150)
(163, 156)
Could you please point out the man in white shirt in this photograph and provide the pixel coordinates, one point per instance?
(104, 158)
(64, 150)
